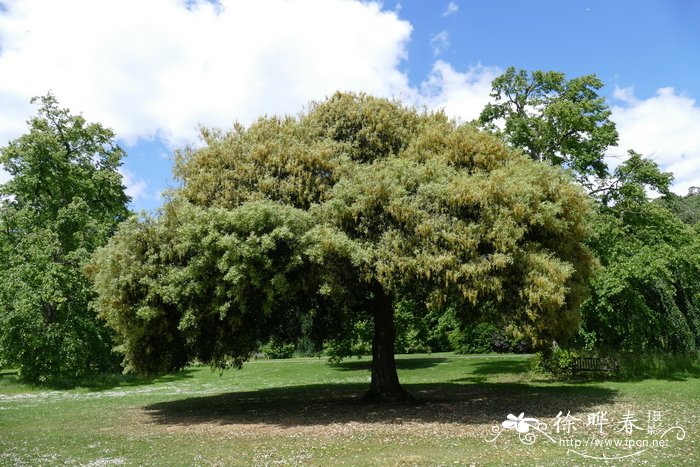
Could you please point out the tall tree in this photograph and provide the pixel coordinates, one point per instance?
(334, 216)
(553, 119)
(64, 199)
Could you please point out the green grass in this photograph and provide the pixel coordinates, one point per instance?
(306, 412)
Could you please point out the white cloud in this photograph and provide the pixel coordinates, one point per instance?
(136, 188)
(440, 42)
(159, 68)
(462, 94)
(664, 127)
(4, 176)
(452, 7)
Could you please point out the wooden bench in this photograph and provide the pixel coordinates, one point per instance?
(594, 364)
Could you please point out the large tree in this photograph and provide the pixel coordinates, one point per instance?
(335, 215)
(550, 118)
(64, 199)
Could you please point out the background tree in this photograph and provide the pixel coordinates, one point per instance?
(337, 216)
(64, 199)
(629, 183)
(553, 119)
(687, 207)
(645, 297)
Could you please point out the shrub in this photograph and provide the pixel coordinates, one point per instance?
(558, 362)
(639, 366)
(275, 349)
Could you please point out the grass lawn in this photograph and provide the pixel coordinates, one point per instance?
(306, 412)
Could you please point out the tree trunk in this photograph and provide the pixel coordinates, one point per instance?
(49, 312)
(385, 386)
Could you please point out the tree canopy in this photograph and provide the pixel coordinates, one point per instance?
(64, 199)
(332, 216)
(646, 298)
(553, 119)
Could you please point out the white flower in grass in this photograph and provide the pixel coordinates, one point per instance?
(519, 423)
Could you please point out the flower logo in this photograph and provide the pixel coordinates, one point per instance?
(519, 423)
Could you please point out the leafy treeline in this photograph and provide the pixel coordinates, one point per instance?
(359, 226)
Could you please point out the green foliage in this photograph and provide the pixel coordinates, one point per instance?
(359, 212)
(204, 283)
(557, 362)
(564, 122)
(412, 332)
(355, 342)
(585, 341)
(306, 345)
(275, 349)
(64, 199)
(475, 338)
(628, 185)
(484, 337)
(634, 366)
(646, 298)
(440, 324)
(686, 208)
(629, 366)
(417, 331)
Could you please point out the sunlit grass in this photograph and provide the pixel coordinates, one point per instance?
(304, 411)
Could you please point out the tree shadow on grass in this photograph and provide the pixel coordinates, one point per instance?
(324, 404)
(111, 381)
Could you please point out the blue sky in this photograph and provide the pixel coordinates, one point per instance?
(155, 70)
(644, 43)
